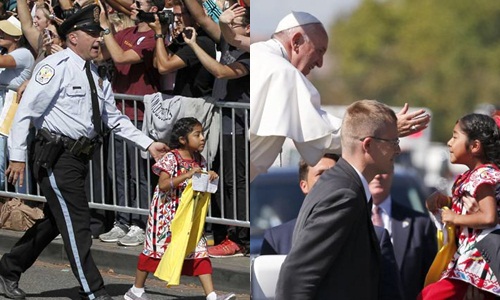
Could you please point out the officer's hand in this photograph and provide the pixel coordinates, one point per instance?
(157, 150)
(15, 172)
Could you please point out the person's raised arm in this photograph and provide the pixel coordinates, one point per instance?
(199, 15)
(163, 61)
(122, 6)
(231, 71)
(112, 48)
(237, 40)
(29, 30)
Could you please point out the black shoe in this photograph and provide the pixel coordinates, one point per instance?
(10, 289)
(104, 297)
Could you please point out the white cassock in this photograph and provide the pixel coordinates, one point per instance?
(284, 103)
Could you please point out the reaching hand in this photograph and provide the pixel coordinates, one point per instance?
(410, 123)
(231, 13)
(157, 150)
(435, 201)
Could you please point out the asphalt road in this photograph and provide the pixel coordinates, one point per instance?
(44, 281)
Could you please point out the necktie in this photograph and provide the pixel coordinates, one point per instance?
(96, 114)
(377, 217)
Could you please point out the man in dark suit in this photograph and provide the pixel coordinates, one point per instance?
(413, 235)
(335, 251)
(278, 239)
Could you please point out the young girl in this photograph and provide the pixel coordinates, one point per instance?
(475, 143)
(175, 169)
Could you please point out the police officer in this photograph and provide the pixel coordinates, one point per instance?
(58, 101)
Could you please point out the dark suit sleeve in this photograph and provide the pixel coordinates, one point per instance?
(319, 241)
(391, 287)
(267, 244)
(430, 248)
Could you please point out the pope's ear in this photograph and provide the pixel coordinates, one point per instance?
(297, 40)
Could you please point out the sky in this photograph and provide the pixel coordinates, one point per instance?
(265, 14)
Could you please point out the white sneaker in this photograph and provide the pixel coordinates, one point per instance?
(113, 235)
(131, 296)
(134, 237)
(229, 296)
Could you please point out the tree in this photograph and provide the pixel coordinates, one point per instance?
(444, 55)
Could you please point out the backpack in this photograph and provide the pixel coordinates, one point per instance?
(16, 215)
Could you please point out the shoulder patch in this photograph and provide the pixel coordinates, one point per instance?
(44, 75)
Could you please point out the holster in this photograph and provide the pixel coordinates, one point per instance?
(52, 148)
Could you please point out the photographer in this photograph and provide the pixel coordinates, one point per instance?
(192, 79)
(131, 50)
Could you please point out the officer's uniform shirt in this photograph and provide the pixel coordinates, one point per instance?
(58, 98)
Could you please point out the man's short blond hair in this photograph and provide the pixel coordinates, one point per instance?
(365, 118)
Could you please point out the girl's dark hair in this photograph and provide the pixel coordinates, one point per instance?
(182, 128)
(484, 129)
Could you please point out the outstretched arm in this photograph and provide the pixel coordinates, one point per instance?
(231, 71)
(197, 12)
(410, 123)
(29, 31)
(237, 40)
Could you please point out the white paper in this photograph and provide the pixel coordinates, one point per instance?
(201, 183)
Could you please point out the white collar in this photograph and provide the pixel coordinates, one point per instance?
(284, 54)
(386, 205)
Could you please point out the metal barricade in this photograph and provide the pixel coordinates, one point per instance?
(102, 185)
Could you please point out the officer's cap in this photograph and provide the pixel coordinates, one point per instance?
(86, 19)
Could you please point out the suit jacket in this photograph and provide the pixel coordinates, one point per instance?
(415, 246)
(278, 239)
(390, 285)
(335, 252)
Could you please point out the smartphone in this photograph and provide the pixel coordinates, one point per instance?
(47, 35)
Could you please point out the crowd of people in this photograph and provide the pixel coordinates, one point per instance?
(136, 48)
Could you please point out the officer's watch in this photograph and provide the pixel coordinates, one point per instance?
(106, 31)
(159, 36)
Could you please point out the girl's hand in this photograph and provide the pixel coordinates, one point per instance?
(192, 171)
(435, 201)
(448, 216)
(470, 204)
(212, 175)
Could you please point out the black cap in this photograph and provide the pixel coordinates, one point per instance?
(86, 19)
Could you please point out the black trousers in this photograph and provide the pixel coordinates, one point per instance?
(131, 182)
(240, 235)
(66, 212)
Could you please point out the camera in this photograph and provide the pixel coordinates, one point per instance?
(165, 17)
(188, 32)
